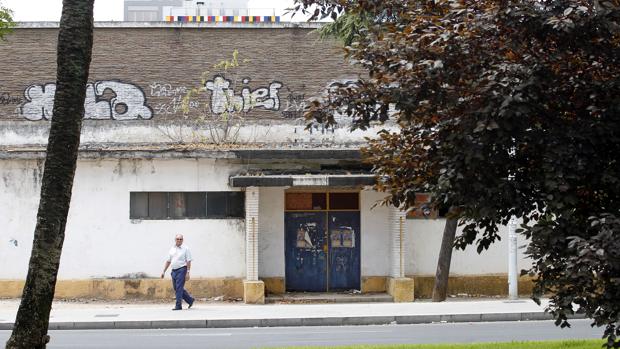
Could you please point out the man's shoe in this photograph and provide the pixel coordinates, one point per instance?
(177, 308)
(190, 304)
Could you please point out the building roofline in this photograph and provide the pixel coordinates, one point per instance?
(214, 25)
(183, 152)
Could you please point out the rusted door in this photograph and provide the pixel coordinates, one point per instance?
(344, 250)
(305, 251)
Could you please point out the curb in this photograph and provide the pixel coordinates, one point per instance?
(288, 322)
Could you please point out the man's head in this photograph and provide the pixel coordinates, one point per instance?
(178, 240)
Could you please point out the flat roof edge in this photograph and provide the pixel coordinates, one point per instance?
(34, 153)
(214, 25)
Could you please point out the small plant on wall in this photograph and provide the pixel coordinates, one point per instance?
(225, 111)
(6, 21)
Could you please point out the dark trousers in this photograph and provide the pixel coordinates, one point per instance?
(178, 283)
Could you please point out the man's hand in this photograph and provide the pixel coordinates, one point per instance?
(187, 276)
(162, 275)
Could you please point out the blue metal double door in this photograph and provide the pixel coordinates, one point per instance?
(322, 251)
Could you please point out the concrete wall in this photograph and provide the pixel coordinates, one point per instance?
(423, 240)
(101, 240)
(271, 227)
(375, 235)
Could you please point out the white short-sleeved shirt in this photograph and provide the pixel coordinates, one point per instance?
(179, 256)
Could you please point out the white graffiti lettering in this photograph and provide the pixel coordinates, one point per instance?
(176, 95)
(40, 102)
(224, 99)
(162, 89)
(104, 100)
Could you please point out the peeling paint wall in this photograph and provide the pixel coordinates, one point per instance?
(101, 240)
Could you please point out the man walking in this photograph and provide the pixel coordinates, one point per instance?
(181, 260)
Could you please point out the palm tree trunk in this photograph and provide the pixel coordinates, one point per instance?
(440, 290)
(75, 41)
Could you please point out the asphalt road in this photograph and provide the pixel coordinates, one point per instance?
(319, 336)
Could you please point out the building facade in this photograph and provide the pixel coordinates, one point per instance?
(171, 10)
(198, 129)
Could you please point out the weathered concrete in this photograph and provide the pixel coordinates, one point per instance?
(351, 180)
(472, 285)
(253, 292)
(374, 284)
(402, 289)
(124, 289)
(274, 285)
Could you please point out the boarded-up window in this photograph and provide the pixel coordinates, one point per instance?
(216, 204)
(177, 205)
(158, 205)
(225, 204)
(196, 205)
(306, 201)
(138, 205)
(344, 201)
(182, 205)
(236, 204)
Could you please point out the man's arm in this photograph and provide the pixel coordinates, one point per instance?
(165, 268)
(189, 266)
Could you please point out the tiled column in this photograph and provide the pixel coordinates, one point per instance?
(253, 289)
(397, 248)
(399, 286)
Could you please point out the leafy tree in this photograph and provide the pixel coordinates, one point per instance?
(347, 27)
(74, 54)
(6, 21)
(506, 108)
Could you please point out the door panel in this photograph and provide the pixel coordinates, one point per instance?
(306, 251)
(344, 250)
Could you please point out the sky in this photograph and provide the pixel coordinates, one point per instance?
(105, 10)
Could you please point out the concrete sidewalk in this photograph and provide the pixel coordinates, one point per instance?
(70, 315)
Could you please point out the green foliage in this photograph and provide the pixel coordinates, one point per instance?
(6, 21)
(506, 108)
(345, 28)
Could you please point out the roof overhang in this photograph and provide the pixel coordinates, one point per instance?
(307, 180)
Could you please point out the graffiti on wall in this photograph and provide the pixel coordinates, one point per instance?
(116, 100)
(7, 99)
(224, 99)
(107, 99)
(172, 96)
(295, 105)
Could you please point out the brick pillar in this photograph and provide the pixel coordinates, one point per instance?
(253, 289)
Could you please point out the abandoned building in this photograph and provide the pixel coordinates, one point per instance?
(198, 129)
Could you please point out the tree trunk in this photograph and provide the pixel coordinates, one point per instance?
(440, 290)
(75, 41)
